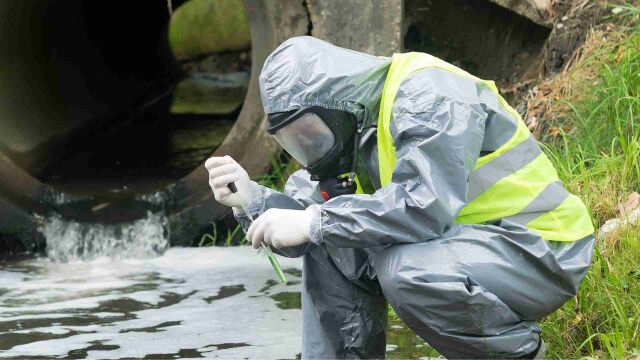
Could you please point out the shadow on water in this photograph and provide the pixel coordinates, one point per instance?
(7, 341)
(225, 292)
(96, 345)
(287, 300)
(183, 353)
(73, 319)
(155, 328)
(293, 272)
(271, 283)
(127, 305)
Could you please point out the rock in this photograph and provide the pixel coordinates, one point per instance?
(538, 11)
(632, 202)
(613, 225)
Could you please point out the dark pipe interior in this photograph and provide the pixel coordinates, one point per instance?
(87, 87)
(477, 35)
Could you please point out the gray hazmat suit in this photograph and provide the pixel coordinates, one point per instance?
(470, 291)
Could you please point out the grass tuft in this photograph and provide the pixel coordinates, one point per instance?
(594, 143)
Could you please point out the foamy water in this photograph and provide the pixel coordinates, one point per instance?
(189, 302)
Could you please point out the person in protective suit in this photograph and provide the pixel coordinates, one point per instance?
(469, 234)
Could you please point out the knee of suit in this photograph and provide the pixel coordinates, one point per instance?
(431, 304)
(400, 285)
(399, 270)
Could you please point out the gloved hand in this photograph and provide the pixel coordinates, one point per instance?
(280, 228)
(224, 170)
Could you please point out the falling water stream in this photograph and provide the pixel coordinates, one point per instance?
(117, 292)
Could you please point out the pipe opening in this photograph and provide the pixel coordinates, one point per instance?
(478, 36)
(116, 96)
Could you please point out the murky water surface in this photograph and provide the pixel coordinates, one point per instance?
(197, 302)
(187, 303)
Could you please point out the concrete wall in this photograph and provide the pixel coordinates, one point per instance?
(374, 27)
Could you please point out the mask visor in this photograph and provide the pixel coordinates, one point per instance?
(307, 138)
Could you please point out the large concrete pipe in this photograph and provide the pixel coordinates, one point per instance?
(73, 70)
(75, 73)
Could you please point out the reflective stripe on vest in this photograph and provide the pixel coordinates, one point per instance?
(516, 182)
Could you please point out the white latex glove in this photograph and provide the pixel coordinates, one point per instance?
(224, 170)
(280, 228)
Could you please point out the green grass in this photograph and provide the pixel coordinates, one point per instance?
(206, 26)
(602, 322)
(281, 168)
(597, 155)
(598, 151)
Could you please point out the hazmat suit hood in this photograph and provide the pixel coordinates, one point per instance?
(305, 71)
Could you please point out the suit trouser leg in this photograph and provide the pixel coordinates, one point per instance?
(478, 291)
(344, 312)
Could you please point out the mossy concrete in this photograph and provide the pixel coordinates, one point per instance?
(207, 26)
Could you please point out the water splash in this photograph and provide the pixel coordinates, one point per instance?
(72, 240)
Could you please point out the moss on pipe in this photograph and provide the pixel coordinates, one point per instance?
(206, 26)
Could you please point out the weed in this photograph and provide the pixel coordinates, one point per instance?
(209, 239)
(596, 152)
(281, 168)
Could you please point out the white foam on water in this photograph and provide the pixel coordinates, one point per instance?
(72, 240)
(153, 306)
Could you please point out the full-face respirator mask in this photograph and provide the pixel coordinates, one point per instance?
(324, 141)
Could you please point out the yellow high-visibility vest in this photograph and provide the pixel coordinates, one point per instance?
(532, 195)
